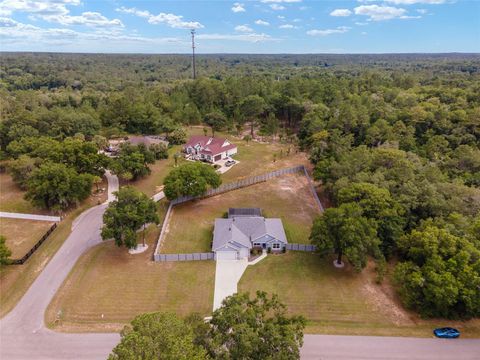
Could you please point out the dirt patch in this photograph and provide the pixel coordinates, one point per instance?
(383, 298)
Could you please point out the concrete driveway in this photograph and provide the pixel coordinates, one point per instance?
(223, 169)
(227, 276)
(23, 334)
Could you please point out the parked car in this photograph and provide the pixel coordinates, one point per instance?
(229, 163)
(446, 333)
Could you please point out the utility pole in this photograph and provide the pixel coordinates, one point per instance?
(193, 53)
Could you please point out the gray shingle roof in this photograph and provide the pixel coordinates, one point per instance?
(243, 230)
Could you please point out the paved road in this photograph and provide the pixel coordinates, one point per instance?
(333, 347)
(22, 331)
(24, 336)
(11, 215)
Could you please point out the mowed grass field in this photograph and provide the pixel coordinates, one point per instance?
(12, 197)
(22, 235)
(16, 279)
(108, 287)
(150, 184)
(289, 197)
(256, 158)
(340, 301)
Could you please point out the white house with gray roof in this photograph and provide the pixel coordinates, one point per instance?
(243, 230)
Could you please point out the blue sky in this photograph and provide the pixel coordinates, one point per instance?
(262, 26)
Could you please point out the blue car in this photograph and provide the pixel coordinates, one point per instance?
(446, 333)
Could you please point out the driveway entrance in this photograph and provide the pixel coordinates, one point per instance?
(227, 275)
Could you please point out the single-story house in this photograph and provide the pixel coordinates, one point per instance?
(147, 140)
(245, 229)
(209, 149)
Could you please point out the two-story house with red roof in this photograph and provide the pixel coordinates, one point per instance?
(209, 149)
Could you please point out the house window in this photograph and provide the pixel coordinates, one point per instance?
(257, 244)
(276, 246)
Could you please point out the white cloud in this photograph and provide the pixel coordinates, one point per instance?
(16, 33)
(87, 18)
(238, 7)
(262, 22)
(45, 7)
(341, 12)
(243, 28)
(412, 2)
(281, 1)
(422, 11)
(281, 17)
(277, 7)
(361, 23)
(171, 20)
(379, 13)
(363, 33)
(338, 30)
(251, 37)
(56, 11)
(297, 20)
(287, 26)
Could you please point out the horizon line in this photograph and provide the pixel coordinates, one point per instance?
(241, 53)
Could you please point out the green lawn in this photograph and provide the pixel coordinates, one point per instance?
(16, 279)
(339, 301)
(254, 159)
(150, 184)
(289, 198)
(108, 287)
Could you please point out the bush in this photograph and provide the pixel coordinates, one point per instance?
(160, 151)
(177, 137)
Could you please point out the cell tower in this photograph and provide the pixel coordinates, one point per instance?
(193, 53)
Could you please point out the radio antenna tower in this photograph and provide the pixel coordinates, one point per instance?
(193, 53)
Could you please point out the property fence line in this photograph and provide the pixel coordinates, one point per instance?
(240, 184)
(21, 216)
(314, 192)
(162, 231)
(34, 248)
(223, 189)
(184, 257)
(301, 247)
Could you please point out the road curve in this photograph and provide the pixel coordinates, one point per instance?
(23, 334)
(22, 331)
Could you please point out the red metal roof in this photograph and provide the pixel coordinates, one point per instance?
(213, 148)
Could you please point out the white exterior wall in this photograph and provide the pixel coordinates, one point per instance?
(244, 253)
(226, 255)
(231, 152)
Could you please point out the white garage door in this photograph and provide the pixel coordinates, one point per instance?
(226, 255)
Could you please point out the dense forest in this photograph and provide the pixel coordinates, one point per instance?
(393, 138)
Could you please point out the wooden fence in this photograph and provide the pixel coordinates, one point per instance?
(34, 248)
(184, 257)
